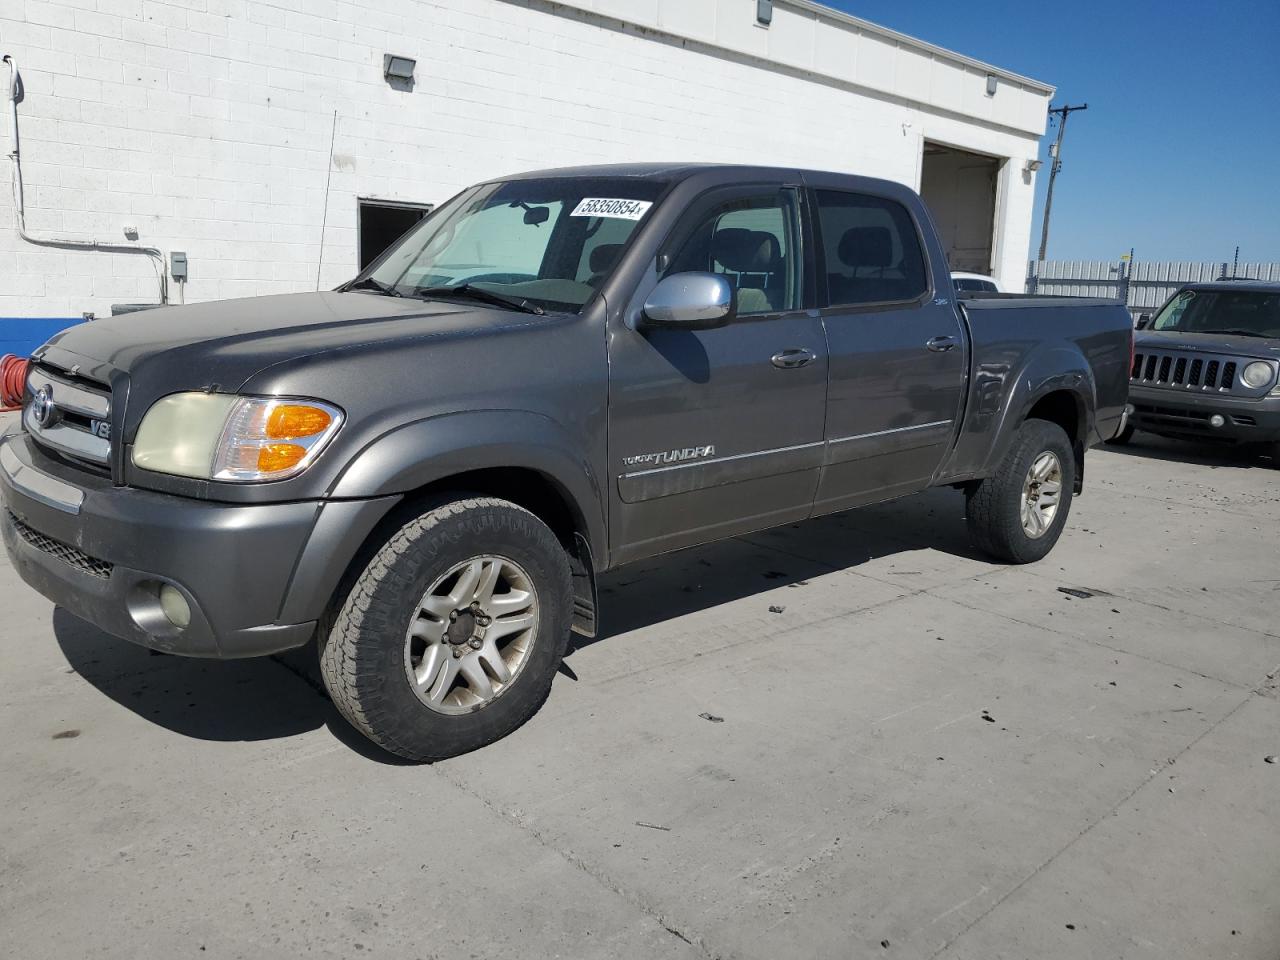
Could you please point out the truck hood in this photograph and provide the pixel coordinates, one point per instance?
(1207, 343)
(221, 345)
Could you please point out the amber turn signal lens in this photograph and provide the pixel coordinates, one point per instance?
(279, 456)
(291, 420)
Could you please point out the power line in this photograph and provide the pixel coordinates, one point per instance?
(1055, 153)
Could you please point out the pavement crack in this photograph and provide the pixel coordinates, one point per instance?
(1096, 643)
(1111, 812)
(599, 877)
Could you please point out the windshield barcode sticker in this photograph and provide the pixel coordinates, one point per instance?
(606, 207)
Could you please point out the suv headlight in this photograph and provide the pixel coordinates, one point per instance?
(1256, 374)
(216, 436)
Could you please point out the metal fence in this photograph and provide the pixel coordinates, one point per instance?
(1142, 286)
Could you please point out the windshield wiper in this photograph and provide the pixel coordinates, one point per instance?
(1238, 333)
(369, 283)
(479, 293)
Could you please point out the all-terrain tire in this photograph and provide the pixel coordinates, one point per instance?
(362, 655)
(995, 504)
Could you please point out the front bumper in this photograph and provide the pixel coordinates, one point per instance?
(1174, 413)
(256, 577)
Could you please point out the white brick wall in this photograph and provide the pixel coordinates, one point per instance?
(206, 123)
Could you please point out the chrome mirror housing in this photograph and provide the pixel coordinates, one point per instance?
(694, 301)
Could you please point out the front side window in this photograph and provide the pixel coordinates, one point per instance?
(872, 249)
(549, 242)
(1248, 313)
(751, 241)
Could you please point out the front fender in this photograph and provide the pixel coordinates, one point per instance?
(434, 449)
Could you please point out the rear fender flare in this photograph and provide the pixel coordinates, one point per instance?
(1053, 368)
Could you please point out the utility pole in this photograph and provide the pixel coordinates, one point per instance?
(1055, 154)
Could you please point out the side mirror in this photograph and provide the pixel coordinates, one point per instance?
(1144, 321)
(694, 301)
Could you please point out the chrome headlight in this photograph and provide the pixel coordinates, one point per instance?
(216, 436)
(1256, 374)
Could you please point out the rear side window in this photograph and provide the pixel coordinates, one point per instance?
(871, 248)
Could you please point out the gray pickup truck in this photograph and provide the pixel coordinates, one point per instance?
(1205, 368)
(554, 374)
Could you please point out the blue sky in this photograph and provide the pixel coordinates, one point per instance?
(1178, 154)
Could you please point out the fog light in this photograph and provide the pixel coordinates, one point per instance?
(1217, 420)
(176, 609)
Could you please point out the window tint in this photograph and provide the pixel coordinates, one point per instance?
(971, 285)
(871, 247)
(752, 242)
(602, 248)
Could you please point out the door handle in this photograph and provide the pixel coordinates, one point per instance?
(792, 358)
(941, 344)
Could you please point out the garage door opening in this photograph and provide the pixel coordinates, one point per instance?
(960, 189)
(382, 223)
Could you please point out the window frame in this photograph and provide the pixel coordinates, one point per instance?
(825, 306)
(699, 206)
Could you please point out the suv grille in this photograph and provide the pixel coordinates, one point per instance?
(1187, 370)
(62, 551)
(69, 416)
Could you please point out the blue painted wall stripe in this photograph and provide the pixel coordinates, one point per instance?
(21, 335)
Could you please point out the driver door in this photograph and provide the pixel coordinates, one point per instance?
(718, 432)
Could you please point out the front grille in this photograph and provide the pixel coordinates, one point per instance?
(69, 415)
(1185, 370)
(62, 551)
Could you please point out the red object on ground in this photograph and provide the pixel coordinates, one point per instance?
(13, 378)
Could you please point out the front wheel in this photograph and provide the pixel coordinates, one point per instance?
(1017, 513)
(451, 636)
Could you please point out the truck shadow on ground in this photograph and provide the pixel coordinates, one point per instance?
(654, 591)
(263, 698)
(278, 697)
(1148, 446)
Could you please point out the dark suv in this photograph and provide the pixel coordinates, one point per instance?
(1205, 367)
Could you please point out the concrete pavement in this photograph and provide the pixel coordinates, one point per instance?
(924, 755)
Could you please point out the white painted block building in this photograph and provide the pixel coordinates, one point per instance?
(262, 139)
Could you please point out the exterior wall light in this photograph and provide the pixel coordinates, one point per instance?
(991, 85)
(764, 12)
(1034, 165)
(398, 68)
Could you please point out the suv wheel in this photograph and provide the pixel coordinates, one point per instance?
(1017, 513)
(451, 636)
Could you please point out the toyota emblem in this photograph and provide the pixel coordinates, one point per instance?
(42, 408)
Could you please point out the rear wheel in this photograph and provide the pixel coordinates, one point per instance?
(1017, 513)
(451, 636)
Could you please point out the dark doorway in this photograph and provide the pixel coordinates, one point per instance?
(960, 190)
(382, 223)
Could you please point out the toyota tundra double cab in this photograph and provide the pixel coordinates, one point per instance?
(426, 469)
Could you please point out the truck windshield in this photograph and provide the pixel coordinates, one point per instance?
(1248, 313)
(549, 243)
